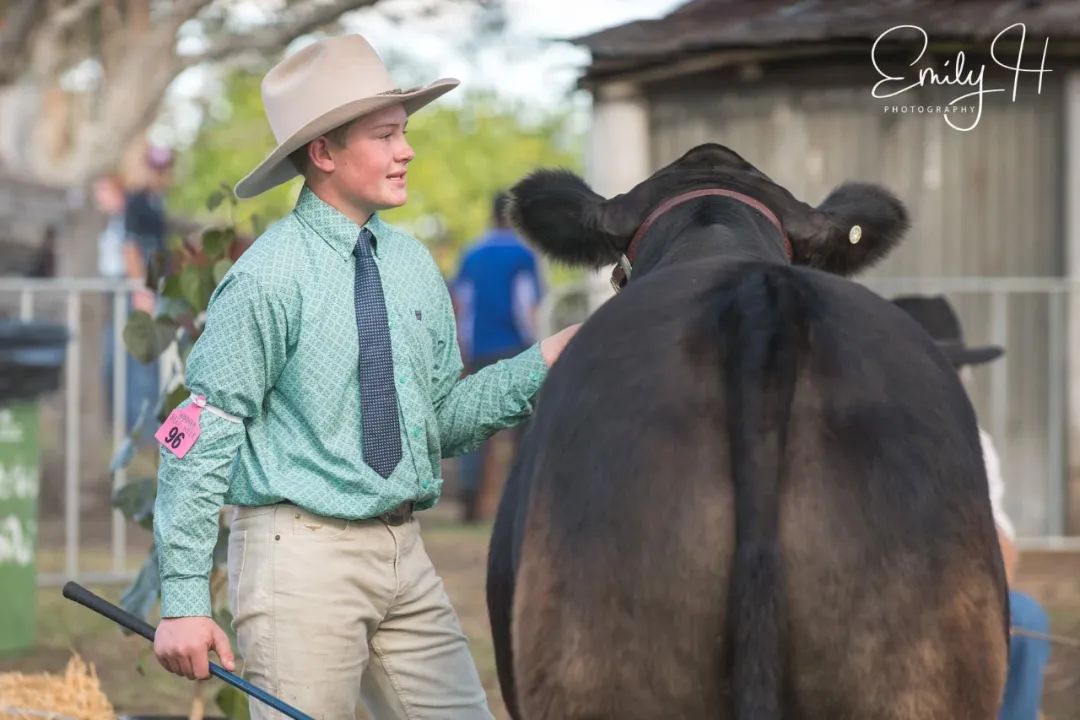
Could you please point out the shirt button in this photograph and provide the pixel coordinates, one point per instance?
(401, 380)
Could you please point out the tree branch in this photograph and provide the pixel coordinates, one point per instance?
(185, 10)
(19, 23)
(275, 37)
(71, 15)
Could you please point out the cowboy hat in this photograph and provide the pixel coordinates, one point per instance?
(321, 87)
(939, 320)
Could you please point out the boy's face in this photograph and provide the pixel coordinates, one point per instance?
(369, 171)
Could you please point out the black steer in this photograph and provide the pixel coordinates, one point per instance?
(751, 489)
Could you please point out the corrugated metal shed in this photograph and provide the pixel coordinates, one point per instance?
(786, 83)
(984, 203)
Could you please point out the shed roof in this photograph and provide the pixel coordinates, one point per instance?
(701, 26)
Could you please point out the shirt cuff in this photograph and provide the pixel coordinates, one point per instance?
(530, 369)
(188, 597)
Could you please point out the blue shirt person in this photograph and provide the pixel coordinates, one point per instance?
(497, 293)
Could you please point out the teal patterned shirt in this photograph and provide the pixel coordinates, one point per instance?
(279, 351)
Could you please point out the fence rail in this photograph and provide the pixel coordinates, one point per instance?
(74, 292)
(1006, 306)
(564, 305)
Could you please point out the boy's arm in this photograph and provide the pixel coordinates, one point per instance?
(471, 409)
(233, 364)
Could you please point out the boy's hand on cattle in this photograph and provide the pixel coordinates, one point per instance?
(552, 347)
(182, 646)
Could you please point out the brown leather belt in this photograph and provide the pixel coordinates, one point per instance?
(400, 515)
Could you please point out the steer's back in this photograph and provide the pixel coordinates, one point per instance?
(624, 532)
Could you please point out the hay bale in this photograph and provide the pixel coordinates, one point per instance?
(76, 694)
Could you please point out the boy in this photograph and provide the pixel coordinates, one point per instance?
(329, 371)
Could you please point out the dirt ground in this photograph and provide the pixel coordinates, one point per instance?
(136, 685)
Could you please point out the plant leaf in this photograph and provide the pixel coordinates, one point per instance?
(221, 548)
(164, 334)
(214, 200)
(177, 396)
(220, 268)
(139, 336)
(143, 594)
(233, 702)
(136, 501)
(172, 289)
(174, 308)
(191, 280)
(123, 455)
(214, 243)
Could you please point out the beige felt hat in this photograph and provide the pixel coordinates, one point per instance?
(319, 88)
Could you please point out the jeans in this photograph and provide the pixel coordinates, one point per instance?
(1027, 659)
(142, 383)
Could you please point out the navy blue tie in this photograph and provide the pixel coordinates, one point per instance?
(378, 398)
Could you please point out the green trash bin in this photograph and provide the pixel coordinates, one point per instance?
(31, 359)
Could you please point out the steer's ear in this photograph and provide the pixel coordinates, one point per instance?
(556, 211)
(856, 225)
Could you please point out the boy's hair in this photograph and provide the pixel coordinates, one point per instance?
(338, 136)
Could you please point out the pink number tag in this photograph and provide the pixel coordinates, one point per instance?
(181, 428)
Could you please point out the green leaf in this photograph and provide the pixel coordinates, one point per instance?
(220, 268)
(171, 288)
(164, 333)
(140, 336)
(229, 194)
(185, 350)
(173, 308)
(146, 338)
(191, 285)
(233, 702)
(221, 547)
(214, 243)
(173, 401)
(257, 225)
(143, 594)
(214, 200)
(136, 501)
(145, 411)
(123, 455)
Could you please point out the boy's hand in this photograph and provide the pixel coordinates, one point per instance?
(182, 646)
(552, 347)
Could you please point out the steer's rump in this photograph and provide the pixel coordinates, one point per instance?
(862, 499)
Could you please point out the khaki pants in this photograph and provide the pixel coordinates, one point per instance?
(330, 613)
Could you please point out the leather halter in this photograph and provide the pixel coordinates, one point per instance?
(621, 274)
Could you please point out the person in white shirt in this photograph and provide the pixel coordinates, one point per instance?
(1027, 655)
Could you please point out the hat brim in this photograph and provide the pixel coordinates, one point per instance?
(973, 356)
(276, 168)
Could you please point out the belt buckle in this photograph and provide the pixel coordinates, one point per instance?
(399, 515)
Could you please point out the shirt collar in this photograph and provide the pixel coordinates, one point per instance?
(335, 228)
